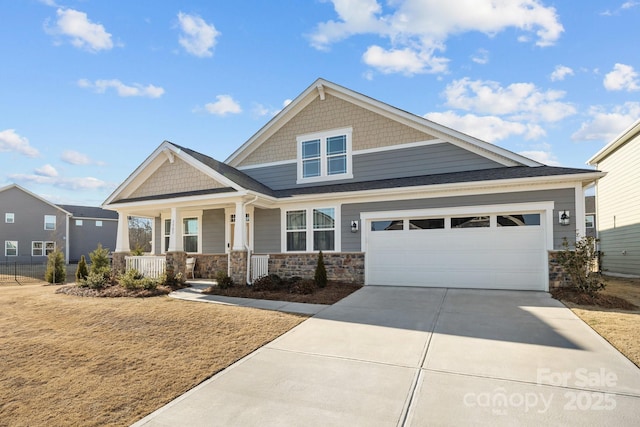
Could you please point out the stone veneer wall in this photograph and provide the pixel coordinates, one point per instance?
(118, 263)
(208, 265)
(238, 267)
(341, 267)
(557, 276)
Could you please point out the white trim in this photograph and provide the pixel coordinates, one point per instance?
(5, 247)
(55, 222)
(435, 141)
(323, 156)
(626, 135)
(269, 164)
(581, 228)
(8, 215)
(337, 247)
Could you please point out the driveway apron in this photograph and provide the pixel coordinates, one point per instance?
(400, 356)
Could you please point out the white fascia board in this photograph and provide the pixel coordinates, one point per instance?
(205, 199)
(629, 133)
(24, 190)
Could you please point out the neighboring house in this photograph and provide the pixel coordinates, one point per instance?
(590, 216)
(618, 202)
(32, 227)
(88, 227)
(389, 197)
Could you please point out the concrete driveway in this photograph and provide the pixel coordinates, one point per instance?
(408, 356)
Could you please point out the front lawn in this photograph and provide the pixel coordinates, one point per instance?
(621, 327)
(69, 360)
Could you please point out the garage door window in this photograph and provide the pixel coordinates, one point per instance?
(518, 220)
(390, 225)
(470, 222)
(426, 224)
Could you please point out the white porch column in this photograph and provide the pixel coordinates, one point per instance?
(175, 234)
(240, 227)
(122, 237)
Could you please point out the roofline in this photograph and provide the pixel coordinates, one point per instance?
(36, 196)
(321, 85)
(626, 135)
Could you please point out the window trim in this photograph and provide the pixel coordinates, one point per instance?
(55, 220)
(324, 158)
(98, 223)
(166, 216)
(9, 218)
(45, 251)
(6, 249)
(79, 223)
(310, 228)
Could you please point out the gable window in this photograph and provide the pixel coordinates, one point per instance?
(49, 222)
(324, 156)
(310, 229)
(9, 218)
(10, 248)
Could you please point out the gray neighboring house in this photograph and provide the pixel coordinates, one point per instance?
(389, 197)
(590, 221)
(32, 227)
(618, 202)
(88, 227)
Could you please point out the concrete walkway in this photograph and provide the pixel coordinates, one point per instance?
(416, 357)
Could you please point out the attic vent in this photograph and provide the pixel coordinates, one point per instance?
(321, 91)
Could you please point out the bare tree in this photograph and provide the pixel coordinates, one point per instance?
(140, 234)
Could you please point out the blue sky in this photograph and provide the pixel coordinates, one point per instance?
(90, 88)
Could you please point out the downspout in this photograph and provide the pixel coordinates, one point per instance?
(66, 238)
(244, 207)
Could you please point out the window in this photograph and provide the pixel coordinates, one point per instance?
(78, 223)
(9, 218)
(426, 224)
(190, 234)
(518, 220)
(590, 221)
(10, 248)
(167, 233)
(470, 222)
(324, 156)
(98, 223)
(49, 222)
(42, 248)
(396, 224)
(310, 229)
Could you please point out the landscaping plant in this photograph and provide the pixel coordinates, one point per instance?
(223, 280)
(82, 271)
(100, 262)
(321, 272)
(56, 271)
(578, 265)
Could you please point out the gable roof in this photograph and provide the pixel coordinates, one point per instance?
(89, 212)
(626, 136)
(24, 190)
(321, 87)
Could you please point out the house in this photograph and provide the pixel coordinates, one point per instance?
(618, 202)
(389, 197)
(32, 227)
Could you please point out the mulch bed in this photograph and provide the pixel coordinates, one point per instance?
(332, 293)
(114, 291)
(598, 299)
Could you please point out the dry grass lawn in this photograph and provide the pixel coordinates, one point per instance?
(620, 327)
(69, 360)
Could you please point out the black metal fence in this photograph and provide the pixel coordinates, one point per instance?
(21, 272)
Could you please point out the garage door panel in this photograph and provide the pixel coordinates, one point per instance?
(491, 257)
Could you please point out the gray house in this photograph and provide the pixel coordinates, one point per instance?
(32, 227)
(389, 197)
(618, 202)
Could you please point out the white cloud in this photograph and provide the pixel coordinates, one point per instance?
(83, 33)
(47, 170)
(76, 184)
(101, 86)
(198, 38)
(11, 141)
(417, 29)
(224, 105)
(521, 101)
(75, 158)
(481, 57)
(545, 157)
(623, 77)
(486, 128)
(605, 125)
(560, 73)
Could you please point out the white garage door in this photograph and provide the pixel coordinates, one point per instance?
(488, 251)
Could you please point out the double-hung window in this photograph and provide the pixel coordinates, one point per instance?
(10, 248)
(42, 248)
(9, 218)
(310, 229)
(49, 222)
(190, 234)
(324, 156)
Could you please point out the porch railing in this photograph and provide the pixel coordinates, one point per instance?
(149, 266)
(259, 266)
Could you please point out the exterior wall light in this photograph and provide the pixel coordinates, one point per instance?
(564, 217)
(354, 226)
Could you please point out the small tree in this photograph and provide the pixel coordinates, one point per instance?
(56, 270)
(578, 264)
(321, 272)
(100, 260)
(82, 271)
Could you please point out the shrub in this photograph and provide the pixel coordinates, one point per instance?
(171, 279)
(134, 280)
(100, 260)
(321, 272)
(56, 271)
(272, 282)
(137, 251)
(223, 280)
(94, 281)
(578, 265)
(82, 271)
(303, 287)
